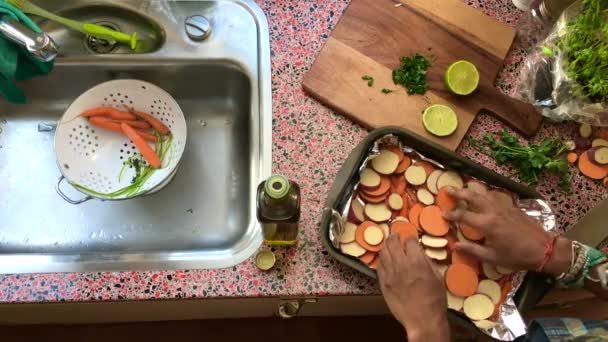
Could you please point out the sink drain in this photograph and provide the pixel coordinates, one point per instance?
(102, 46)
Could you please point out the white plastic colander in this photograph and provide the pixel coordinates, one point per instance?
(91, 158)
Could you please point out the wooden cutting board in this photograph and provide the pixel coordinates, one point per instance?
(373, 35)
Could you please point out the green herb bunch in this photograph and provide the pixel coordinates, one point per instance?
(530, 161)
(412, 73)
(585, 46)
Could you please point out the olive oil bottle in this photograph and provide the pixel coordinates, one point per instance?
(278, 210)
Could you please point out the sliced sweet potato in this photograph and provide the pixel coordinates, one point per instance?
(375, 263)
(599, 142)
(368, 257)
(503, 270)
(405, 209)
(585, 130)
(490, 271)
(372, 199)
(348, 235)
(398, 183)
(360, 237)
(352, 249)
(385, 163)
(470, 233)
(432, 221)
(382, 189)
(401, 218)
(385, 229)
(425, 197)
(403, 165)
(451, 237)
(478, 307)
(491, 289)
(450, 178)
(439, 254)
(454, 302)
(394, 201)
(404, 229)
(428, 167)
(377, 212)
(414, 215)
(356, 213)
(590, 169)
(572, 157)
(434, 241)
(369, 179)
(466, 259)
(431, 181)
(444, 201)
(415, 175)
(373, 235)
(461, 280)
(396, 150)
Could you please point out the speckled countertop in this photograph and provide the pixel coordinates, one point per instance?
(310, 142)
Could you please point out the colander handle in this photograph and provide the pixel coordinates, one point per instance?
(65, 197)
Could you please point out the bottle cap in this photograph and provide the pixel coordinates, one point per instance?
(277, 186)
(265, 260)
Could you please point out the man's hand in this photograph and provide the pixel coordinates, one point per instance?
(412, 290)
(512, 238)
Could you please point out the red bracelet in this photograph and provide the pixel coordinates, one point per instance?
(548, 252)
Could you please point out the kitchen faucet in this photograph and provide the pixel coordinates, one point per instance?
(40, 45)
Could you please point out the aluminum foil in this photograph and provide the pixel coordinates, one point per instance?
(509, 324)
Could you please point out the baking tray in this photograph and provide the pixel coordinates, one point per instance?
(534, 286)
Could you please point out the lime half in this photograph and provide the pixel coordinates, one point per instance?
(440, 120)
(462, 78)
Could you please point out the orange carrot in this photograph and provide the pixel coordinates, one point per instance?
(154, 122)
(444, 201)
(405, 230)
(115, 126)
(404, 164)
(590, 169)
(571, 157)
(139, 124)
(360, 238)
(461, 280)
(433, 222)
(146, 151)
(470, 232)
(109, 112)
(414, 215)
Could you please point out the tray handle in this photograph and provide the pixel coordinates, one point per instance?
(65, 197)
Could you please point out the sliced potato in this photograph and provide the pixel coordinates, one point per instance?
(394, 201)
(352, 249)
(491, 289)
(454, 302)
(425, 197)
(490, 271)
(434, 241)
(373, 235)
(450, 178)
(385, 229)
(477, 187)
(348, 235)
(386, 162)
(504, 270)
(599, 142)
(484, 324)
(585, 130)
(377, 212)
(436, 253)
(400, 218)
(431, 182)
(415, 175)
(369, 179)
(478, 307)
(357, 210)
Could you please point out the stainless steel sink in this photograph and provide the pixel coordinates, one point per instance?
(205, 218)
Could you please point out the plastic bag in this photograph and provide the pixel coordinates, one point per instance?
(545, 82)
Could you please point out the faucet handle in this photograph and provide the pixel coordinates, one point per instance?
(40, 45)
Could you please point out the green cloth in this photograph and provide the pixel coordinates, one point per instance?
(16, 63)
